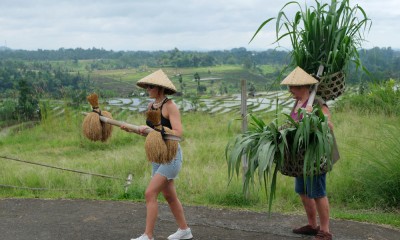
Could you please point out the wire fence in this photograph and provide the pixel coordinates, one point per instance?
(128, 180)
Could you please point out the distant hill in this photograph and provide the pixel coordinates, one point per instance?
(382, 63)
(4, 48)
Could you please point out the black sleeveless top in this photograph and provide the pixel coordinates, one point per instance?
(164, 121)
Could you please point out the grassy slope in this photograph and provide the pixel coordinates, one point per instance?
(123, 81)
(203, 180)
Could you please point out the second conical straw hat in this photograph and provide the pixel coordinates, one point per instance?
(299, 77)
(158, 78)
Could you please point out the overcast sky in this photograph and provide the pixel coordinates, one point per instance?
(163, 24)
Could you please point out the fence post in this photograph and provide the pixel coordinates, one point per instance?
(243, 113)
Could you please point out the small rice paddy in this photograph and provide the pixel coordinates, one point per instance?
(265, 102)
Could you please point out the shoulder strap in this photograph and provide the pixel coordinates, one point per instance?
(165, 100)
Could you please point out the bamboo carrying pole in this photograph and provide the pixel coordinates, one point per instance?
(134, 128)
(315, 88)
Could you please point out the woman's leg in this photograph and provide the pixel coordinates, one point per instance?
(311, 210)
(156, 185)
(175, 205)
(308, 203)
(323, 212)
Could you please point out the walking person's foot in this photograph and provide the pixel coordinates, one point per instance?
(306, 230)
(181, 234)
(323, 236)
(143, 237)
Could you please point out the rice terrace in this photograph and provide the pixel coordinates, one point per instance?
(58, 183)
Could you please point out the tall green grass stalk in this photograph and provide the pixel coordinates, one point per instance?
(327, 34)
(379, 177)
(379, 98)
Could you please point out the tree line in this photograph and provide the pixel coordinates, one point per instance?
(134, 59)
(28, 83)
(31, 75)
(382, 63)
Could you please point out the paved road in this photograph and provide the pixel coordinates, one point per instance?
(31, 219)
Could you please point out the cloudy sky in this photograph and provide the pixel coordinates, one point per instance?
(163, 24)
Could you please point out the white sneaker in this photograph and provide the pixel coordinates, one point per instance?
(181, 234)
(143, 237)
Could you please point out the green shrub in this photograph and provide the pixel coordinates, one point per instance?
(382, 98)
(379, 176)
(327, 34)
(7, 110)
(267, 146)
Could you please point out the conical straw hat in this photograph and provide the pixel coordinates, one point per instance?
(158, 78)
(299, 77)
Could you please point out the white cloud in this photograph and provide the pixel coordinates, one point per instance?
(160, 25)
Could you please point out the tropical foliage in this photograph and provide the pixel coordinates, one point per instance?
(267, 146)
(327, 34)
(382, 189)
(375, 98)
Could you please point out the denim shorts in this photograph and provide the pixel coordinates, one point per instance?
(313, 189)
(170, 170)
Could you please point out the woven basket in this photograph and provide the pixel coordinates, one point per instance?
(293, 165)
(331, 86)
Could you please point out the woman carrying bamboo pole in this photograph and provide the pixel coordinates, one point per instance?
(312, 190)
(158, 86)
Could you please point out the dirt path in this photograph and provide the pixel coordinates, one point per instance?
(9, 129)
(40, 219)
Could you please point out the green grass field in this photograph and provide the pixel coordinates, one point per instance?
(215, 79)
(58, 141)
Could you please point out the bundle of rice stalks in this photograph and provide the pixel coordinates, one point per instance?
(172, 145)
(106, 128)
(153, 117)
(157, 149)
(92, 127)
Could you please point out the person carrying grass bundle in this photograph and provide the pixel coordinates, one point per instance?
(312, 190)
(158, 86)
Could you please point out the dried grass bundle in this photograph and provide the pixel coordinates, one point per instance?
(106, 128)
(156, 149)
(92, 127)
(154, 117)
(93, 99)
(172, 145)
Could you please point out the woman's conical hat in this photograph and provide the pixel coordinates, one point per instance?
(299, 77)
(158, 78)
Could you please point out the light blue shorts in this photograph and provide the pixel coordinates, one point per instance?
(313, 189)
(170, 170)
